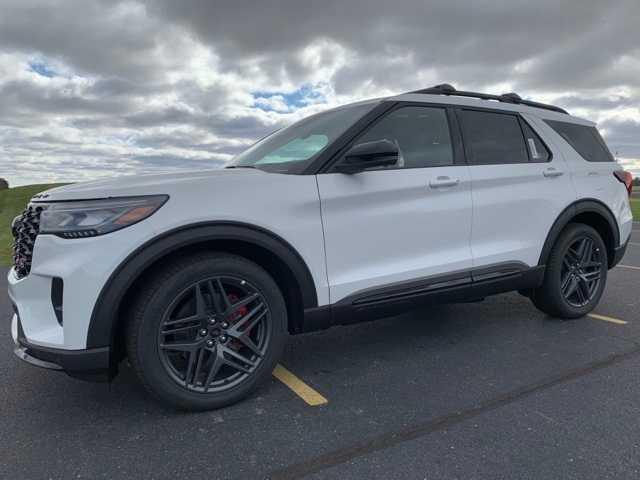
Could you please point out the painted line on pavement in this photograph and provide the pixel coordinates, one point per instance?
(304, 391)
(632, 267)
(607, 319)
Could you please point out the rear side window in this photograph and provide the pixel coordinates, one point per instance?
(493, 138)
(584, 139)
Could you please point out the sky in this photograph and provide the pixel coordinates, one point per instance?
(98, 88)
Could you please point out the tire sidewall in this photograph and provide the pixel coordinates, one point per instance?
(157, 378)
(554, 270)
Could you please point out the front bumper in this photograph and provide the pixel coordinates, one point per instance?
(55, 302)
(88, 364)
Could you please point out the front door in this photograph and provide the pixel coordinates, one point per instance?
(400, 223)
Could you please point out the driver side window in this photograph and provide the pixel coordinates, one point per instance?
(420, 133)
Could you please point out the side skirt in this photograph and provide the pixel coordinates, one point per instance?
(464, 286)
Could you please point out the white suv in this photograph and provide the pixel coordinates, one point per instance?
(352, 214)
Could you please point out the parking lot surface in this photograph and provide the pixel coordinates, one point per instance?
(479, 390)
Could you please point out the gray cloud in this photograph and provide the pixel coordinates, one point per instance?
(106, 38)
(157, 85)
(622, 136)
(18, 97)
(488, 38)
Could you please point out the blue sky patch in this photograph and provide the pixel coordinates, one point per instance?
(41, 68)
(301, 97)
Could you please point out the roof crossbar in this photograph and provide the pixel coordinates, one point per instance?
(446, 89)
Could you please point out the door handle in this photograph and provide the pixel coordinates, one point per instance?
(593, 174)
(552, 172)
(442, 182)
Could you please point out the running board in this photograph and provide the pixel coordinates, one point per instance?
(396, 298)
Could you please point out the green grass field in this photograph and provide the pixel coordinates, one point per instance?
(12, 202)
(635, 208)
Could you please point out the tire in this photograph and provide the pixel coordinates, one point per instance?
(246, 330)
(566, 269)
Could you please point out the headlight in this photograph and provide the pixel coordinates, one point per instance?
(88, 218)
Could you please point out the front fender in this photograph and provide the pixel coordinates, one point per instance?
(105, 312)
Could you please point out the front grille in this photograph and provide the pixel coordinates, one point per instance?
(25, 229)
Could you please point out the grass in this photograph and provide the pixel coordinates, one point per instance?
(12, 202)
(635, 208)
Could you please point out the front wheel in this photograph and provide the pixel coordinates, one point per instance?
(206, 331)
(576, 274)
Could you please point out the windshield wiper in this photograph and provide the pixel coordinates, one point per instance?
(242, 166)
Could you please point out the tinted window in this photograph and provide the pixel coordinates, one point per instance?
(584, 140)
(493, 138)
(421, 134)
(537, 150)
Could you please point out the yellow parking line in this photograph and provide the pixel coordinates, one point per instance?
(300, 388)
(629, 266)
(607, 319)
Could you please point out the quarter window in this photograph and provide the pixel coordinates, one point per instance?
(493, 138)
(537, 150)
(584, 139)
(421, 134)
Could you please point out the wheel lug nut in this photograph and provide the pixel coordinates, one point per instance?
(203, 332)
(212, 321)
(223, 338)
(210, 343)
(225, 325)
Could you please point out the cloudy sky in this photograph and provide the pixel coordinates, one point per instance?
(94, 88)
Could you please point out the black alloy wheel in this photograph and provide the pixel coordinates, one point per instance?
(214, 334)
(581, 271)
(575, 273)
(206, 330)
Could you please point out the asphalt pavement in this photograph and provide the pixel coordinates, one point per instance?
(479, 390)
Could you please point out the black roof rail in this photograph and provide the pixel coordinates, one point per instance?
(446, 89)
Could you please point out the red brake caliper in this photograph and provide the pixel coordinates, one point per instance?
(241, 312)
(235, 316)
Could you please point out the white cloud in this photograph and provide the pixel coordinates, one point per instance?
(132, 86)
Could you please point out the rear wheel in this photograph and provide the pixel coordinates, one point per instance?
(207, 331)
(576, 274)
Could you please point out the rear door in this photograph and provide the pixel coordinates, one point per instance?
(405, 222)
(518, 187)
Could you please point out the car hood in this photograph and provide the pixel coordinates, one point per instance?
(133, 185)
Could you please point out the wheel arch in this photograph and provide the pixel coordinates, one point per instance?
(264, 247)
(591, 212)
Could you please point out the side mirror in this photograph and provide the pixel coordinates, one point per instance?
(381, 153)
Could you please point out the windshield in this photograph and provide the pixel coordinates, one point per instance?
(293, 148)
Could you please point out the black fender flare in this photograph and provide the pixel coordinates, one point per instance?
(568, 214)
(104, 316)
